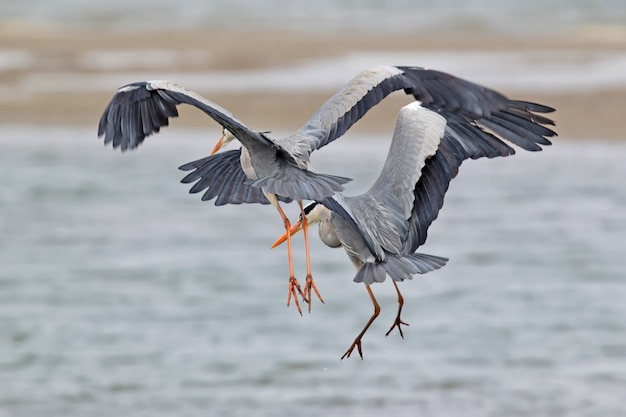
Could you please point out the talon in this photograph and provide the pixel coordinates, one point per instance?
(357, 344)
(397, 324)
(310, 284)
(293, 286)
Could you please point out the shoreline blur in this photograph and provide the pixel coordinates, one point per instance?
(66, 77)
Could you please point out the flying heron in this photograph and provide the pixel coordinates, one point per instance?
(382, 228)
(278, 166)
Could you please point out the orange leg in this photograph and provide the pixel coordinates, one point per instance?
(293, 282)
(357, 341)
(310, 283)
(398, 320)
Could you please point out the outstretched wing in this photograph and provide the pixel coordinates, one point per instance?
(382, 212)
(426, 152)
(480, 122)
(140, 109)
(223, 179)
(478, 107)
(435, 179)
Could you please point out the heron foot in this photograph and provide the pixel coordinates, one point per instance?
(293, 291)
(310, 284)
(356, 344)
(397, 324)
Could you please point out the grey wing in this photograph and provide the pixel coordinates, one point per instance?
(351, 103)
(479, 123)
(382, 213)
(223, 179)
(436, 175)
(468, 136)
(476, 109)
(425, 153)
(416, 138)
(140, 109)
(452, 97)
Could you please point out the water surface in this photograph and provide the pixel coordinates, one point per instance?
(120, 294)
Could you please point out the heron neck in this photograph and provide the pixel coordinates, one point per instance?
(327, 232)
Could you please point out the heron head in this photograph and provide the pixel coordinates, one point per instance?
(225, 139)
(313, 212)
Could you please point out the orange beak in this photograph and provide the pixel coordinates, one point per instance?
(218, 145)
(294, 229)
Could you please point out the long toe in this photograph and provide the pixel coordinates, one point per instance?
(293, 291)
(357, 344)
(397, 323)
(310, 284)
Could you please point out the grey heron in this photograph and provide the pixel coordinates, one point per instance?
(278, 166)
(382, 228)
(373, 227)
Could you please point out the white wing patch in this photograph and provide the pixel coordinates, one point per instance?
(127, 88)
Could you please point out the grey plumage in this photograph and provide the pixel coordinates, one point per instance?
(222, 177)
(141, 109)
(382, 228)
(372, 227)
(477, 122)
(386, 225)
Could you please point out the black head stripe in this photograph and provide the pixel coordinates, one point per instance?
(309, 207)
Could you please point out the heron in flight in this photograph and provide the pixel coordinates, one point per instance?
(382, 228)
(278, 167)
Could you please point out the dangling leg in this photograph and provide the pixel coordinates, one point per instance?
(310, 283)
(293, 282)
(357, 341)
(398, 320)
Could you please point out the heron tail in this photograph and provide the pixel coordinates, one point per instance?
(299, 184)
(399, 268)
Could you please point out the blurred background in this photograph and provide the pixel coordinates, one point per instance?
(121, 294)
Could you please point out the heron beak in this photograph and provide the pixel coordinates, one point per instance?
(219, 144)
(294, 229)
